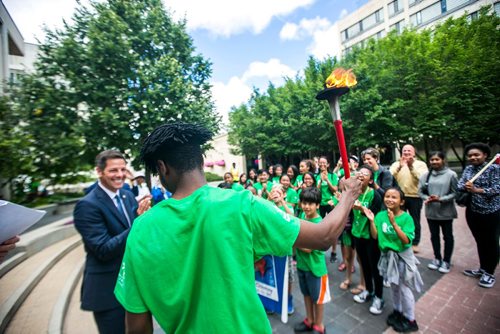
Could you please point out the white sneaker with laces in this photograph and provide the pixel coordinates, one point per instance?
(444, 268)
(434, 265)
(377, 305)
(362, 297)
(487, 281)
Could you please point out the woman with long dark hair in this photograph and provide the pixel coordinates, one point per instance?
(437, 190)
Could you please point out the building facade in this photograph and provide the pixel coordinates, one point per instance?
(220, 157)
(11, 45)
(378, 17)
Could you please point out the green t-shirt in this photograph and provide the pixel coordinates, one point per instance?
(360, 224)
(190, 262)
(291, 196)
(276, 180)
(326, 193)
(299, 180)
(387, 237)
(258, 186)
(238, 187)
(314, 261)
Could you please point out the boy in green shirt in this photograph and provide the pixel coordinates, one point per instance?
(311, 267)
(189, 261)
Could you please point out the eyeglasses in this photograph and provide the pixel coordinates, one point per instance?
(363, 174)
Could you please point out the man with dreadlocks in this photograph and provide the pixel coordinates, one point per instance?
(189, 261)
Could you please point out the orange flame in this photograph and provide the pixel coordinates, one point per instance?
(341, 78)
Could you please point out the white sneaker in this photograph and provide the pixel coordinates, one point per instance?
(444, 268)
(377, 305)
(362, 297)
(434, 265)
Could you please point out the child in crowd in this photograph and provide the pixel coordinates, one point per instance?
(309, 181)
(304, 167)
(252, 175)
(291, 195)
(263, 186)
(278, 171)
(394, 229)
(328, 184)
(365, 245)
(293, 173)
(228, 179)
(277, 195)
(312, 271)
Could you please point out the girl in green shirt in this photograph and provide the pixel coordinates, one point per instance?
(395, 230)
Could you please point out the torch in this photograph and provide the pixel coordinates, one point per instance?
(336, 85)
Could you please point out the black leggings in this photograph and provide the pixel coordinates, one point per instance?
(486, 229)
(447, 227)
(369, 254)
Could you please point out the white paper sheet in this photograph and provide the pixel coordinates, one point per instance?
(15, 219)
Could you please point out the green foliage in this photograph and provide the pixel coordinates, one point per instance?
(107, 80)
(211, 177)
(428, 88)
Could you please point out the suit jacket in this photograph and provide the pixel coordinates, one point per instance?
(104, 231)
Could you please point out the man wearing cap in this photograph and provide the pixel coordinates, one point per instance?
(407, 172)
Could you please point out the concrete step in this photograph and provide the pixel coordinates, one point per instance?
(36, 311)
(33, 242)
(19, 282)
(76, 320)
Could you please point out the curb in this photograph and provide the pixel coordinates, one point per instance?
(12, 304)
(60, 309)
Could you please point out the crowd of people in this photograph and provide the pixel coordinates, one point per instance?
(189, 261)
(394, 197)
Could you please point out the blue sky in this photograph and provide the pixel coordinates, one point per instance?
(250, 43)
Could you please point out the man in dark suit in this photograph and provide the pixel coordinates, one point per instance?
(103, 218)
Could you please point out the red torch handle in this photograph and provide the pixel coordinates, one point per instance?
(343, 151)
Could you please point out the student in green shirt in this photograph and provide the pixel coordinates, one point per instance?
(291, 195)
(293, 172)
(278, 171)
(312, 271)
(263, 186)
(277, 195)
(395, 230)
(365, 245)
(228, 178)
(304, 167)
(189, 261)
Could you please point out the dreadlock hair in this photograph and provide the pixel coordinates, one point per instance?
(177, 144)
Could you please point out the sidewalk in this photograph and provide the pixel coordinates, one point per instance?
(450, 303)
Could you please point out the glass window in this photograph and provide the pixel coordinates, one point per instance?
(431, 12)
(395, 7)
(452, 4)
(496, 6)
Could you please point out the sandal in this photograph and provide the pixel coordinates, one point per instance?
(342, 267)
(357, 290)
(345, 285)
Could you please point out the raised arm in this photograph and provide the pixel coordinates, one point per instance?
(323, 234)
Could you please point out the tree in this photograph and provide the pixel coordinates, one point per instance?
(109, 78)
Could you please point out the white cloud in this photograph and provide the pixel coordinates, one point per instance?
(234, 93)
(305, 28)
(326, 42)
(229, 17)
(324, 34)
(343, 13)
(239, 89)
(272, 70)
